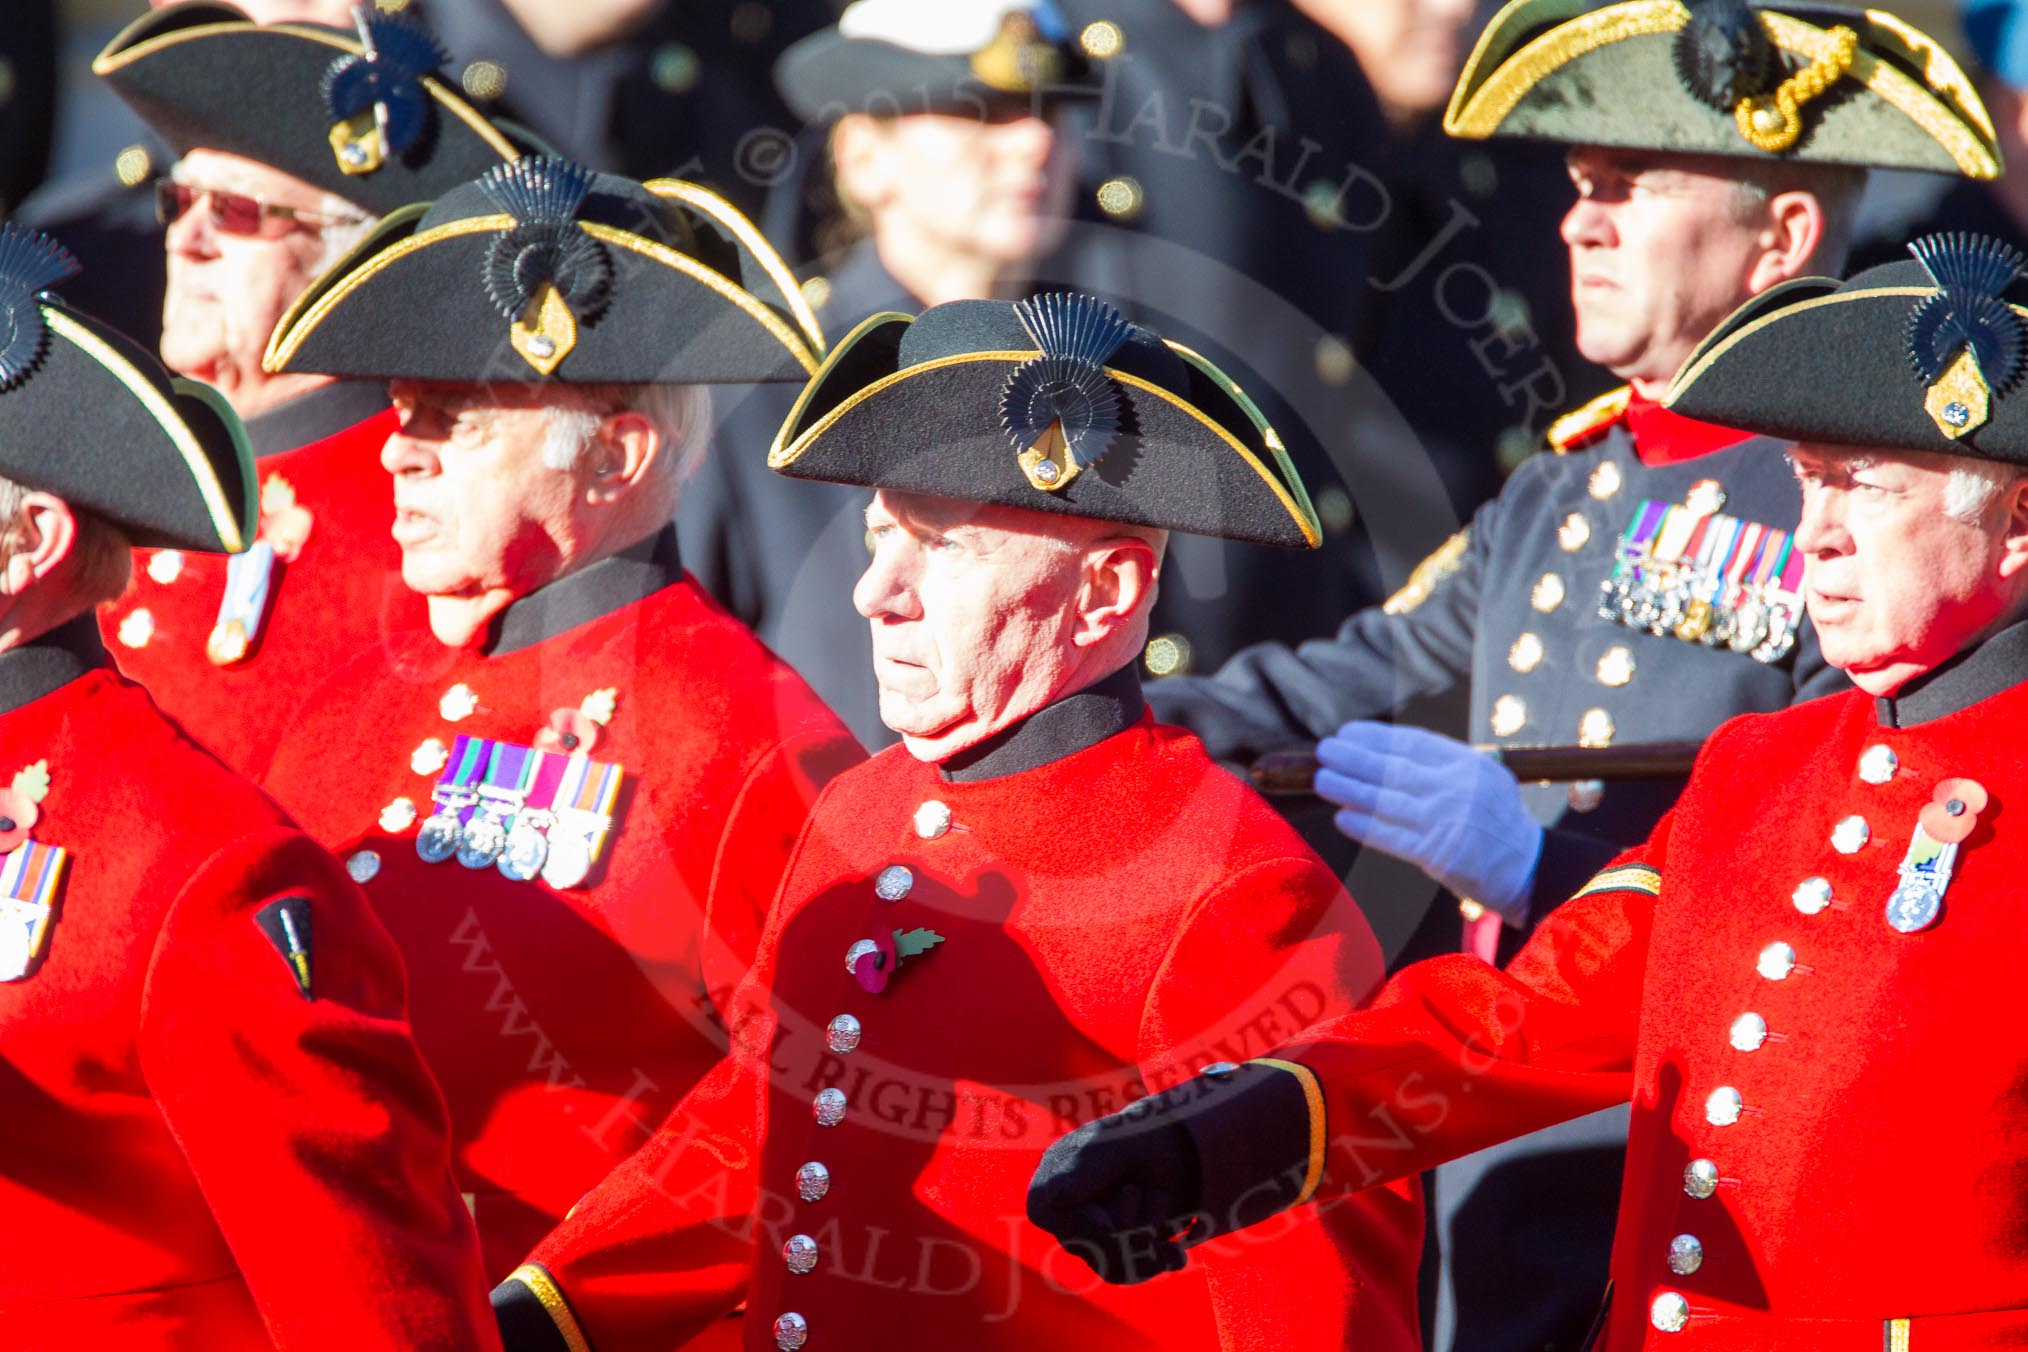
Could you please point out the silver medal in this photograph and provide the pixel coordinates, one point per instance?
(438, 839)
(526, 851)
(1918, 897)
(485, 836)
(569, 860)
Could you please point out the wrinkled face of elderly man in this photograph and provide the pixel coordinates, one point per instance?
(983, 615)
(1911, 557)
(501, 489)
(243, 241)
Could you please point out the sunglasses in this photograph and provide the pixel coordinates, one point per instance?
(237, 214)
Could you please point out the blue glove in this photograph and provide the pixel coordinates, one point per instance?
(1453, 812)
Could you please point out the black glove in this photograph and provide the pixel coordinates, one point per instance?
(1119, 1193)
(1130, 1193)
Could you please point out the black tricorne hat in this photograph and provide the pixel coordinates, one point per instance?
(964, 57)
(1918, 356)
(373, 126)
(543, 270)
(1055, 404)
(1783, 81)
(87, 414)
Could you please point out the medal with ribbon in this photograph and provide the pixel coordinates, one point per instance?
(28, 879)
(502, 793)
(583, 809)
(453, 796)
(1925, 870)
(29, 873)
(527, 848)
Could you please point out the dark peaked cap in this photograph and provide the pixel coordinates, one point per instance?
(958, 57)
(88, 415)
(1056, 404)
(543, 270)
(1821, 83)
(204, 75)
(1919, 356)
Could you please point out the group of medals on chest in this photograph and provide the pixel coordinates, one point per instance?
(1684, 570)
(543, 810)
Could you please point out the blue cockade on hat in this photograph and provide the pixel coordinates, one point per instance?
(1964, 339)
(376, 96)
(547, 274)
(1060, 408)
(30, 263)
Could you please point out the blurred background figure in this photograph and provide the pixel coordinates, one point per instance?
(644, 88)
(27, 97)
(935, 174)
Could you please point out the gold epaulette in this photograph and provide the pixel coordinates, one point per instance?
(1580, 425)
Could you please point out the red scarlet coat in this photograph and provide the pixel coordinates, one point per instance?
(1869, 1192)
(1112, 921)
(342, 594)
(563, 1024)
(192, 1153)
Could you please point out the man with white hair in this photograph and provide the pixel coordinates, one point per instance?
(1809, 969)
(571, 789)
(216, 1112)
(1046, 903)
(293, 140)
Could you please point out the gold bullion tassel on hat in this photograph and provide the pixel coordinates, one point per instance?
(376, 97)
(1726, 59)
(1060, 408)
(1964, 340)
(546, 276)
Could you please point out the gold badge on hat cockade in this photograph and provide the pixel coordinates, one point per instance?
(1964, 339)
(1060, 408)
(546, 275)
(376, 98)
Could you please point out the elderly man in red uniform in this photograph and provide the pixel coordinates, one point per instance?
(1039, 907)
(1815, 993)
(218, 1130)
(293, 139)
(572, 791)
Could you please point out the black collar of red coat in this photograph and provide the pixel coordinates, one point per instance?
(634, 574)
(1998, 664)
(46, 664)
(323, 412)
(1083, 719)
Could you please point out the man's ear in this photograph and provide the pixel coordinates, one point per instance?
(1791, 234)
(1119, 586)
(39, 541)
(2014, 534)
(626, 446)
